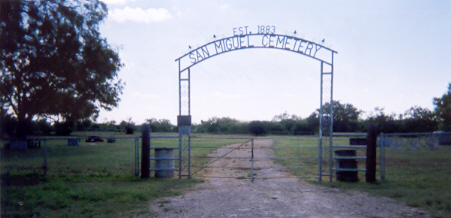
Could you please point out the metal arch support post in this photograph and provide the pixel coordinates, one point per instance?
(189, 157)
(180, 155)
(331, 123)
(180, 91)
(187, 80)
(180, 113)
(184, 127)
(320, 134)
(189, 91)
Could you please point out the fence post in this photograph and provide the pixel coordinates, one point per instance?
(371, 154)
(44, 167)
(299, 156)
(145, 161)
(252, 160)
(382, 156)
(137, 156)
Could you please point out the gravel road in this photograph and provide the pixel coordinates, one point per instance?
(285, 197)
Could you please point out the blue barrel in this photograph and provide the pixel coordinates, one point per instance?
(163, 161)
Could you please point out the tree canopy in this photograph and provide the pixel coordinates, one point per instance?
(54, 62)
(443, 109)
(346, 116)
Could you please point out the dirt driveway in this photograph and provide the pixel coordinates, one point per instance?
(285, 197)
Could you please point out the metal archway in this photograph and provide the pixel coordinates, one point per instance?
(242, 39)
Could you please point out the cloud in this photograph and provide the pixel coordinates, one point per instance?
(224, 6)
(116, 2)
(139, 15)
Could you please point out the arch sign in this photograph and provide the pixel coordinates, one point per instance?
(259, 37)
(264, 37)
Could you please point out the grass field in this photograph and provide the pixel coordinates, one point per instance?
(308, 150)
(97, 179)
(93, 179)
(417, 178)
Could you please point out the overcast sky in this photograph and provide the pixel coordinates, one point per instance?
(391, 54)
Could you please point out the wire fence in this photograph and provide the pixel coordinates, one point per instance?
(254, 158)
(210, 156)
(411, 141)
(387, 147)
(399, 148)
(72, 156)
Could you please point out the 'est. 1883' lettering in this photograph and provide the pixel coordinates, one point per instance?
(240, 30)
(261, 29)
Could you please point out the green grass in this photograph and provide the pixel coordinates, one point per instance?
(93, 179)
(308, 149)
(82, 196)
(97, 179)
(417, 178)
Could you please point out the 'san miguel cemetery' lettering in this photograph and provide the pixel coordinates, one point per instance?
(264, 37)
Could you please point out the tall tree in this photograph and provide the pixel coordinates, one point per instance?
(418, 119)
(54, 62)
(161, 125)
(385, 122)
(346, 116)
(443, 109)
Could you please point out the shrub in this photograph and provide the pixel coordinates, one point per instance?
(257, 128)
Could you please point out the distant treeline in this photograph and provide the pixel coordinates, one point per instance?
(43, 128)
(347, 118)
